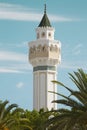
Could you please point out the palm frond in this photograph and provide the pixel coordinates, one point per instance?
(75, 116)
(61, 84)
(2, 108)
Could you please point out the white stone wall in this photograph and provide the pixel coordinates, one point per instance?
(42, 85)
(36, 91)
(47, 31)
(42, 88)
(51, 87)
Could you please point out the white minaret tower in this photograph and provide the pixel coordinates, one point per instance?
(44, 55)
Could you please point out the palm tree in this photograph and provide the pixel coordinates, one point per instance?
(7, 118)
(36, 119)
(74, 117)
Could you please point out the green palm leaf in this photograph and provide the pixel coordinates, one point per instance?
(75, 116)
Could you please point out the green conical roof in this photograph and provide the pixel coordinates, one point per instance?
(45, 21)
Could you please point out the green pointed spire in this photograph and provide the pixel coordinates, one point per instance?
(45, 9)
(45, 21)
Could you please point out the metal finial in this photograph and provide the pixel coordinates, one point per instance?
(44, 8)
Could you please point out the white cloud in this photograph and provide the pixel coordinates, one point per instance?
(77, 52)
(12, 45)
(12, 62)
(73, 65)
(12, 56)
(20, 85)
(14, 7)
(77, 49)
(5, 70)
(20, 13)
(69, 51)
(18, 68)
(55, 18)
(73, 57)
(20, 16)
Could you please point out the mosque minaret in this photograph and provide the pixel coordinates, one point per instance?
(44, 55)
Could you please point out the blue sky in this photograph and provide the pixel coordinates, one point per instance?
(18, 21)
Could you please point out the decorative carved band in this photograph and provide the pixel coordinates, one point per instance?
(44, 51)
(53, 68)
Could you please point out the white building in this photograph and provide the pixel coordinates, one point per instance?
(44, 55)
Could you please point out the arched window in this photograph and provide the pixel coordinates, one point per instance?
(37, 35)
(49, 34)
(43, 34)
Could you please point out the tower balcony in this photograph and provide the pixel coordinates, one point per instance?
(45, 54)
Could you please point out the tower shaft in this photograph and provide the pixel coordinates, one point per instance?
(42, 85)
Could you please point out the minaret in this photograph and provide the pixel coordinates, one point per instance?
(44, 55)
